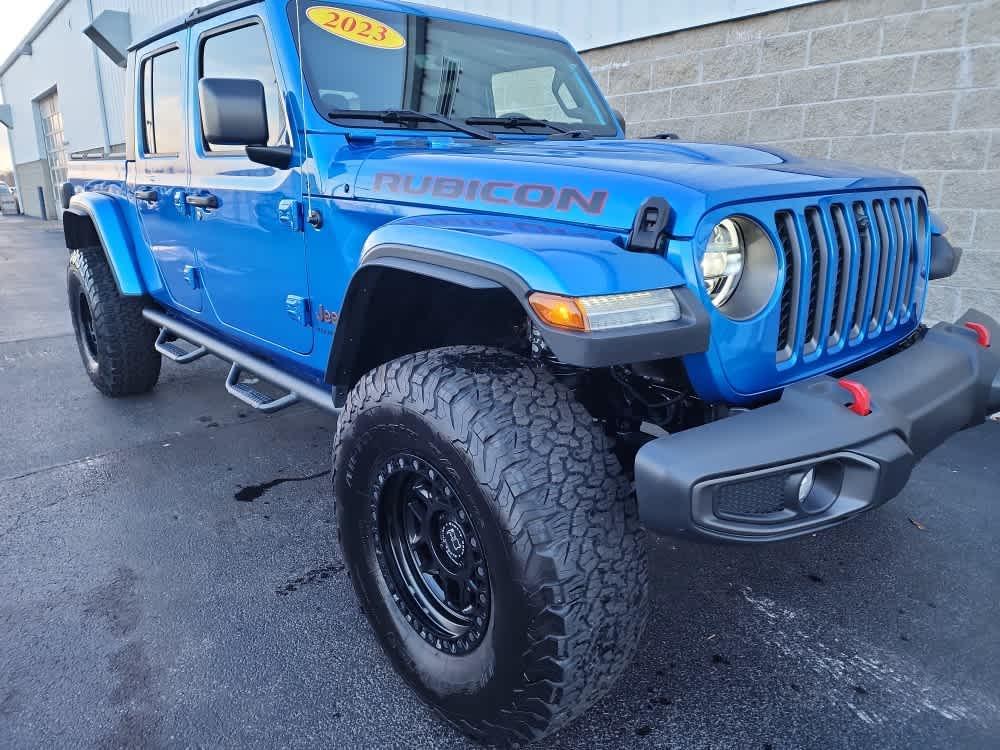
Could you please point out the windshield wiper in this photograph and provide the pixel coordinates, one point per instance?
(403, 116)
(516, 121)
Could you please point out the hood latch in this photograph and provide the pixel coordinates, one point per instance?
(649, 229)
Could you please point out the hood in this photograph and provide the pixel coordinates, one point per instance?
(598, 183)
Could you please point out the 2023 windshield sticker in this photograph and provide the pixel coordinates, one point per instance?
(355, 27)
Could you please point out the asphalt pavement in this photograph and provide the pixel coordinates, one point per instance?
(170, 578)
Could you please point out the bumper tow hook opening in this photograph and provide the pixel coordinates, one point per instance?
(862, 404)
(982, 333)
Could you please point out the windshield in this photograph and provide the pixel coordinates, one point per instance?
(372, 60)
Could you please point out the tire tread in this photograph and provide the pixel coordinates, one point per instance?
(128, 363)
(568, 508)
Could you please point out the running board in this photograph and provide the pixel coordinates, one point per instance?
(297, 388)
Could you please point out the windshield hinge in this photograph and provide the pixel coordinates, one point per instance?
(290, 214)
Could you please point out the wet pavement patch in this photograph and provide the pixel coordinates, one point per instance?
(313, 575)
(254, 491)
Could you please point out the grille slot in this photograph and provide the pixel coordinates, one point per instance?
(898, 232)
(852, 270)
(785, 224)
(910, 263)
(887, 259)
(818, 261)
(860, 223)
(843, 245)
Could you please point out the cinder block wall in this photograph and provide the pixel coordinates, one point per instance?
(907, 84)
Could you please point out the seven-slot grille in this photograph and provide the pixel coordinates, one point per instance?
(852, 268)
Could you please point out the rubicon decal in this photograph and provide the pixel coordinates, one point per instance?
(496, 192)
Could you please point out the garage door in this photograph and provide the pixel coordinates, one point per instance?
(55, 147)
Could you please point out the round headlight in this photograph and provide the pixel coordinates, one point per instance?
(739, 267)
(722, 264)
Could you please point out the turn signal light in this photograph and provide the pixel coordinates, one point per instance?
(606, 312)
(561, 312)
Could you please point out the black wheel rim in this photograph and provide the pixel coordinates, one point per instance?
(88, 334)
(430, 554)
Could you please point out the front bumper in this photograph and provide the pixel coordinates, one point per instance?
(807, 462)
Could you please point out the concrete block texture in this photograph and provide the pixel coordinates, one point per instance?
(912, 85)
(853, 41)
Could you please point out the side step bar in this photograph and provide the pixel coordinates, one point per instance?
(254, 398)
(175, 352)
(241, 361)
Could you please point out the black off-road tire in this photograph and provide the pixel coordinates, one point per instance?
(548, 504)
(116, 343)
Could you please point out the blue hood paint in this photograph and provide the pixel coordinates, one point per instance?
(554, 258)
(693, 177)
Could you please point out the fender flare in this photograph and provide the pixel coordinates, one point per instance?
(95, 219)
(472, 275)
(689, 335)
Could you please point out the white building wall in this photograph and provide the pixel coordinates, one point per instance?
(145, 16)
(63, 58)
(60, 58)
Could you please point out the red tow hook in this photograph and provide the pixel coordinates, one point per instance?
(862, 405)
(982, 332)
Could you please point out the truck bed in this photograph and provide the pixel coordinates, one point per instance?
(97, 172)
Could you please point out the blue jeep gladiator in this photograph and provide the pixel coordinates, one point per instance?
(541, 338)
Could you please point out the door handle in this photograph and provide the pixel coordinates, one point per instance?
(150, 196)
(202, 201)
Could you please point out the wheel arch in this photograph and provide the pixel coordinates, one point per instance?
(94, 220)
(471, 301)
(403, 300)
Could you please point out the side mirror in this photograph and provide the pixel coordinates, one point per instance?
(233, 111)
(621, 119)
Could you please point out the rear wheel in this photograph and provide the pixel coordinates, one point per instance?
(492, 538)
(116, 343)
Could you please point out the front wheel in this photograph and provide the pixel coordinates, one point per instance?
(492, 538)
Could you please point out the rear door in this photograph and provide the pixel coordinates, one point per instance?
(161, 166)
(251, 245)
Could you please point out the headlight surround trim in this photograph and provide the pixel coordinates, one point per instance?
(754, 286)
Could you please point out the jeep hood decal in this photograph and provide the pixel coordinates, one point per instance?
(598, 183)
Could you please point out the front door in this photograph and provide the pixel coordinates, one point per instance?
(249, 241)
(161, 168)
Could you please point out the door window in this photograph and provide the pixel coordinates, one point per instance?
(161, 104)
(242, 53)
